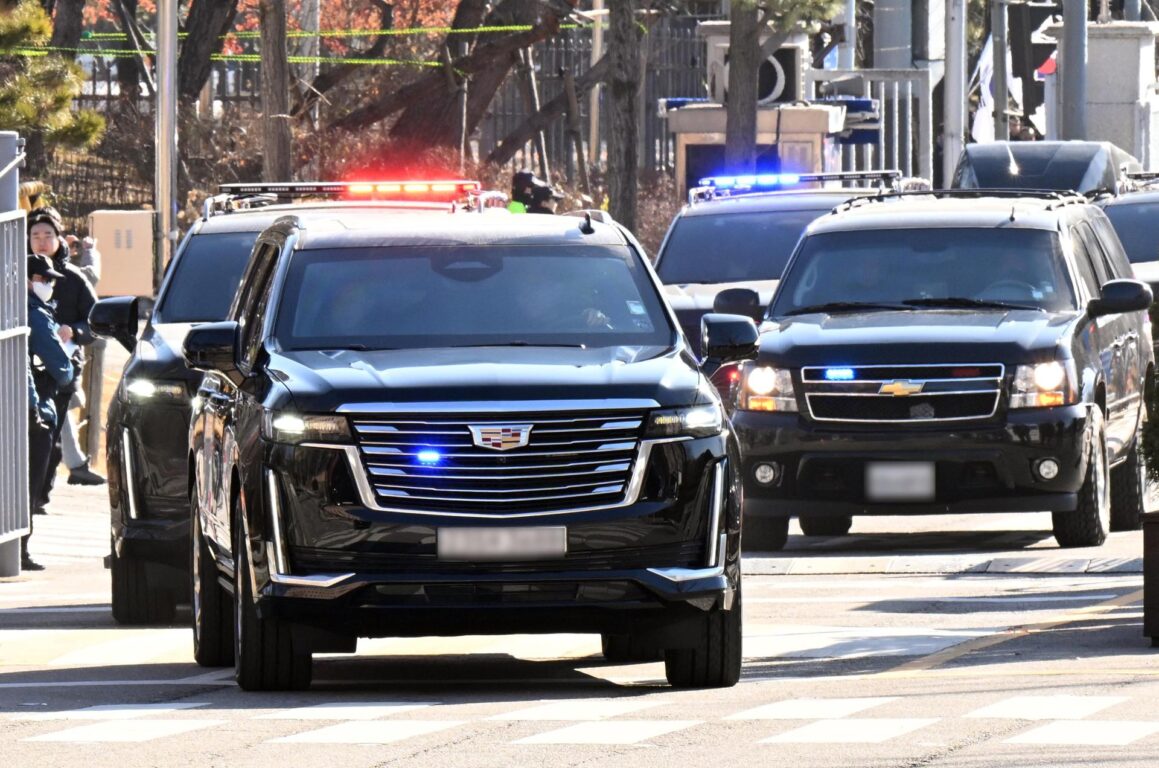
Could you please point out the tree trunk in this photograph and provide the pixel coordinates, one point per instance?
(208, 20)
(623, 86)
(740, 140)
(337, 73)
(66, 27)
(128, 67)
(275, 92)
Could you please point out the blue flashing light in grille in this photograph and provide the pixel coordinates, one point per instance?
(429, 457)
(839, 374)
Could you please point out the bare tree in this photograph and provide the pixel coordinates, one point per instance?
(275, 92)
(205, 27)
(623, 86)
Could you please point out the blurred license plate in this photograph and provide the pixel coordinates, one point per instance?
(899, 481)
(528, 543)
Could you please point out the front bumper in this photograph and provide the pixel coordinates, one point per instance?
(983, 468)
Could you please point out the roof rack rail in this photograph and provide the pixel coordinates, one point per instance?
(1053, 196)
(717, 187)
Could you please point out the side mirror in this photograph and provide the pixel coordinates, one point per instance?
(727, 339)
(116, 318)
(739, 301)
(212, 347)
(1120, 296)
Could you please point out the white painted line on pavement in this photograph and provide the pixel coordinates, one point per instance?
(1107, 733)
(126, 730)
(55, 609)
(853, 731)
(609, 732)
(365, 710)
(811, 709)
(112, 711)
(933, 599)
(578, 709)
(131, 647)
(385, 732)
(1059, 707)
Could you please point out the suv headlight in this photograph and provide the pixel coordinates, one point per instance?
(1042, 386)
(697, 421)
(764, 388)
(293, 428)
(141, 390)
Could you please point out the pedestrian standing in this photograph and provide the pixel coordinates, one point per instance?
(49, 369)
(73, 298)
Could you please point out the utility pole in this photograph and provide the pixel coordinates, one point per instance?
(594, 103)
(165, 138)
(847, 51)
(954, 89)
(1073, 68)
(999, 44)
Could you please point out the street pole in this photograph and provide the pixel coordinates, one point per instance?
(1073, 67)
(594, 103)
(165, 172)
(954, 89)
(1132, 10)
(847, 51)
(998, 45)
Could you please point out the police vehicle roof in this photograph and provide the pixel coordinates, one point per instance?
(929, 211)
(1145, 196)
(781, 200)
(360, 227)
(257, 219)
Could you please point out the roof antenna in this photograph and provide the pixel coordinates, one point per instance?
(1012, 213)
(587, 227)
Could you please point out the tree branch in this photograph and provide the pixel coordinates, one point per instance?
(334, 76)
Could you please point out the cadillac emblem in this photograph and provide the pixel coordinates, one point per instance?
(901, 388)
(501, 437)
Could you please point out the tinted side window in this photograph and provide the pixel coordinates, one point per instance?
(1094, 249)
(254, 292)
(1112, 247)
(205, 277)
(1087, 277)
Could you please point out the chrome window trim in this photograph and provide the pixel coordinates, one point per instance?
(716, 506)
(130, 481)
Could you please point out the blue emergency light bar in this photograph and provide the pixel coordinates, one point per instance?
(711, 187)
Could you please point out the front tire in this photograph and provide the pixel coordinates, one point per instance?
(714, 660)
(211, 603)
(1087, 525)
(136, 601)
(264, 655)
(837, 525)
(1129, 489)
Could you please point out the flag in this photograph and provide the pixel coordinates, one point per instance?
(982, 128)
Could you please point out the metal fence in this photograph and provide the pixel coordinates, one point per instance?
(13, 360)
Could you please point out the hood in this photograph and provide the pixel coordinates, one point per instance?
(699, 296)
(158, 354)
(961, 336)
(321, 381)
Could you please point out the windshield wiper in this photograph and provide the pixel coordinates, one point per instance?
(518, 343)
(846, 306)
(966, 302)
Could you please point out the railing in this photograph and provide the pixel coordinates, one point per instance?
(14, 519)
(905, 133)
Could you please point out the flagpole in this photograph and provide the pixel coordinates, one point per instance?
(1000, 44)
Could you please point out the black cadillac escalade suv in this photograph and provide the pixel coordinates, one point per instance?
(460, 424)
(949, 352)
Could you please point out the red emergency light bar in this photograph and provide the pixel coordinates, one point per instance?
(437, 190)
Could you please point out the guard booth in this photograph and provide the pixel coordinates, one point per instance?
(13, 358)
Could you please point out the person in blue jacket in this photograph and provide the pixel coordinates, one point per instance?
(50, 370)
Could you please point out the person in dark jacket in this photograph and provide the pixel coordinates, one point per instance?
(533, 193)
(49, 369)
(73, 298)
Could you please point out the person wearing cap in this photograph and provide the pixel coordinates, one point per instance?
(73, 298)
(49, 370)
(533, 193)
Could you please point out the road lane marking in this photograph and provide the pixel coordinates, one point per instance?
(127, 730)
(869, 730)
(113, 711)
(1102, 733)
(370, 732)
(811, 709)
(365, 710)
(609, 732)
(1056, 707)
(943, 599)
(581, 709)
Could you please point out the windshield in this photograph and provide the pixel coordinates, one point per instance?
(1138, 228)
(1017, 267)
(206, 277)
(417, 297)
(734, 248)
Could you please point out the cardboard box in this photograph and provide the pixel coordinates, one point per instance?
(125, 241)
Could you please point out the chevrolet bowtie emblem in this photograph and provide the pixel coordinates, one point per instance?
(501, 437)
(900, 388)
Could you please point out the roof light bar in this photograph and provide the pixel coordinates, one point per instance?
(442, 189)
(773, 180)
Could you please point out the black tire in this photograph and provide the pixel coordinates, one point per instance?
(629, 649)
(1087, 525)
(264, 655)
(211, 604)
(1129, 489)
(714, 661)
(134, 600)
(825, 525)
(765, 534)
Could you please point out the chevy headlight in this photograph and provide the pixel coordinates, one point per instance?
(697, 421)
(767, 389)
(148, 389)
(293, 428)
(1042, 386)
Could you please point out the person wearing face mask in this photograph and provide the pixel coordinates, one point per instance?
(73, 297)
(50, 369)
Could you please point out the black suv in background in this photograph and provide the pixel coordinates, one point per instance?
(148, 418)
(1088, 167)
(449, 424)
(949, 352)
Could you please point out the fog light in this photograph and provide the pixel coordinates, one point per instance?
(767, 473)
(1048, 469)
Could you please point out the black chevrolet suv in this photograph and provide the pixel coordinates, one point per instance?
(147, 423)
(952, 352)
(450, 424)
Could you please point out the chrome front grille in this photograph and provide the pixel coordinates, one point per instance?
(884, 394)
(440, 463)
